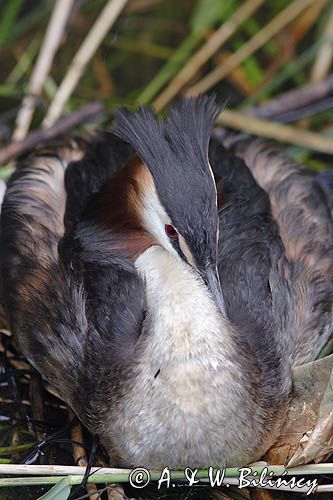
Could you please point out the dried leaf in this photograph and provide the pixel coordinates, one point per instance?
(318, 445)
(308, 431)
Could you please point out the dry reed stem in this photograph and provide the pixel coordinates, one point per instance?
(206, 52)
(283, 133)
(56, 470)
(37, 408)
(51, 42)
(263, 36)
(41, 135)
(294, 99)
(88, 48)
(79, 453)
(324, 57)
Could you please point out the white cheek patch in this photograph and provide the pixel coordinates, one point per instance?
(186, 251)
(154, 218)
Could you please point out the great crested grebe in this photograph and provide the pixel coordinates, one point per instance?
(164, 294)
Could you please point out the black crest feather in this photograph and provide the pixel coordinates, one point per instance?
(175, 150)
(183, 135)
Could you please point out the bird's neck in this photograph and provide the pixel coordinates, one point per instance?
(181, 315)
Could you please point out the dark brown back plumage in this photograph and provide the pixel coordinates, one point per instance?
(301, 210)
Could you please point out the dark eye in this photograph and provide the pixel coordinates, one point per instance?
(171, 232)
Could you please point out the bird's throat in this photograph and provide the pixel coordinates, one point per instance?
(182, 318)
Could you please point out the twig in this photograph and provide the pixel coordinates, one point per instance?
(11, 358)
(42, 67)
(59, 470)
(56, 470)
(283, 133)
(122, 476)
(268, 32)
(79, 453)
(51, 390)
(89, 46)
(41, 135)
(171, 68)
(304, 112)
(37, 407)
(114, 491)
(287, 44)
(238, 77)
(294, 99)
(206, 52)
(324, 57)
(304, 23)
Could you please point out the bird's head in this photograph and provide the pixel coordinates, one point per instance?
(171, 193)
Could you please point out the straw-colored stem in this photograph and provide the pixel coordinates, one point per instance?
(41, 135)
(283, 133)
(269, 31)
(107, 474)
(324, 57)
(170, 68)
(79, 452)
(206, 52)
(88, 48)
(55, 470)
(42, 67)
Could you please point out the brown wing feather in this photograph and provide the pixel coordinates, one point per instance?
(35, 286)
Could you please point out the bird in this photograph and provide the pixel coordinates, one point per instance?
(166, 277)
